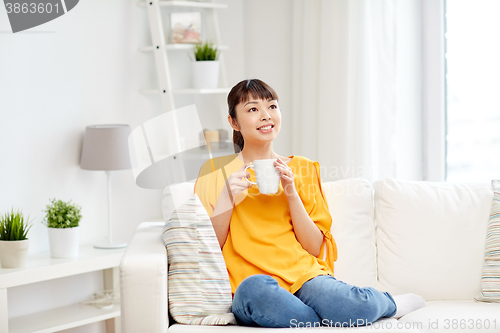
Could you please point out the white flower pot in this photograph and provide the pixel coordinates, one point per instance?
(13, 253)
(64, 242)
(205, 74)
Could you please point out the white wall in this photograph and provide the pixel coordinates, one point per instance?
(268, 56)
(80, 69)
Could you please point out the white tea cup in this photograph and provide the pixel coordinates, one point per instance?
(268, 178)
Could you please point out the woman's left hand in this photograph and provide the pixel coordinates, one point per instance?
(286, 176)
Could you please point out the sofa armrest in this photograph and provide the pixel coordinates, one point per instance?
(143, 281)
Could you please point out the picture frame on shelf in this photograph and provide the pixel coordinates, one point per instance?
(186, 28)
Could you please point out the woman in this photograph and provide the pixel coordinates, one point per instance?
(278, 248)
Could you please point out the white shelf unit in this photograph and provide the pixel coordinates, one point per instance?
(61, 319)
(161, 49)
(193, 4)
(189, 91)
(41, 267)
(178, 47)
(169, 71)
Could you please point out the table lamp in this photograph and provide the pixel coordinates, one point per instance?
(105, 148)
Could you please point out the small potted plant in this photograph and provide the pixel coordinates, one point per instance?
(206, 67)
(13, 241)
(62, 220)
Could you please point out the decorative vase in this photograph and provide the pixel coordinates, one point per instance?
(64, 242)
(13, 253)
(205, 74)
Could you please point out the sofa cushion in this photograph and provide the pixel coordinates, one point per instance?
(383, 325)
(455, 316)
(199, 292)
(350, 202)
(431, 237)
(490, 282)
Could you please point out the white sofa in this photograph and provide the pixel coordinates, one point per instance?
(422, 237)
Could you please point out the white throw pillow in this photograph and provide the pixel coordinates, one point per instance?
(431, 237)
(350, 202)
(199, 292)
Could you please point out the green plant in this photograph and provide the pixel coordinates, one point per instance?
(205, 51)
(13, 227)
(60, 214)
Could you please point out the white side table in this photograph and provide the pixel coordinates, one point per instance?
(41, 267)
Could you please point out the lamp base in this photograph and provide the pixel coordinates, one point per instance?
(108, 245)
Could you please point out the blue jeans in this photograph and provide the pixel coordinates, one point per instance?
(321, 301)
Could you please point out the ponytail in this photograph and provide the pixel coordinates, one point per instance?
(238, 141)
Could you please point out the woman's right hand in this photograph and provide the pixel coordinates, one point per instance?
(236, 182)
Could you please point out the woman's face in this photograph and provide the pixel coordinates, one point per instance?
(253, 118)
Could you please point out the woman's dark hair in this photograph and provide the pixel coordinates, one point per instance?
(241, 93)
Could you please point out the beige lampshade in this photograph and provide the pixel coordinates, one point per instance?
(105, 147)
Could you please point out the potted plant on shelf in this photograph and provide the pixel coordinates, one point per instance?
(206, 67)
(13, 241)
(62, 221)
